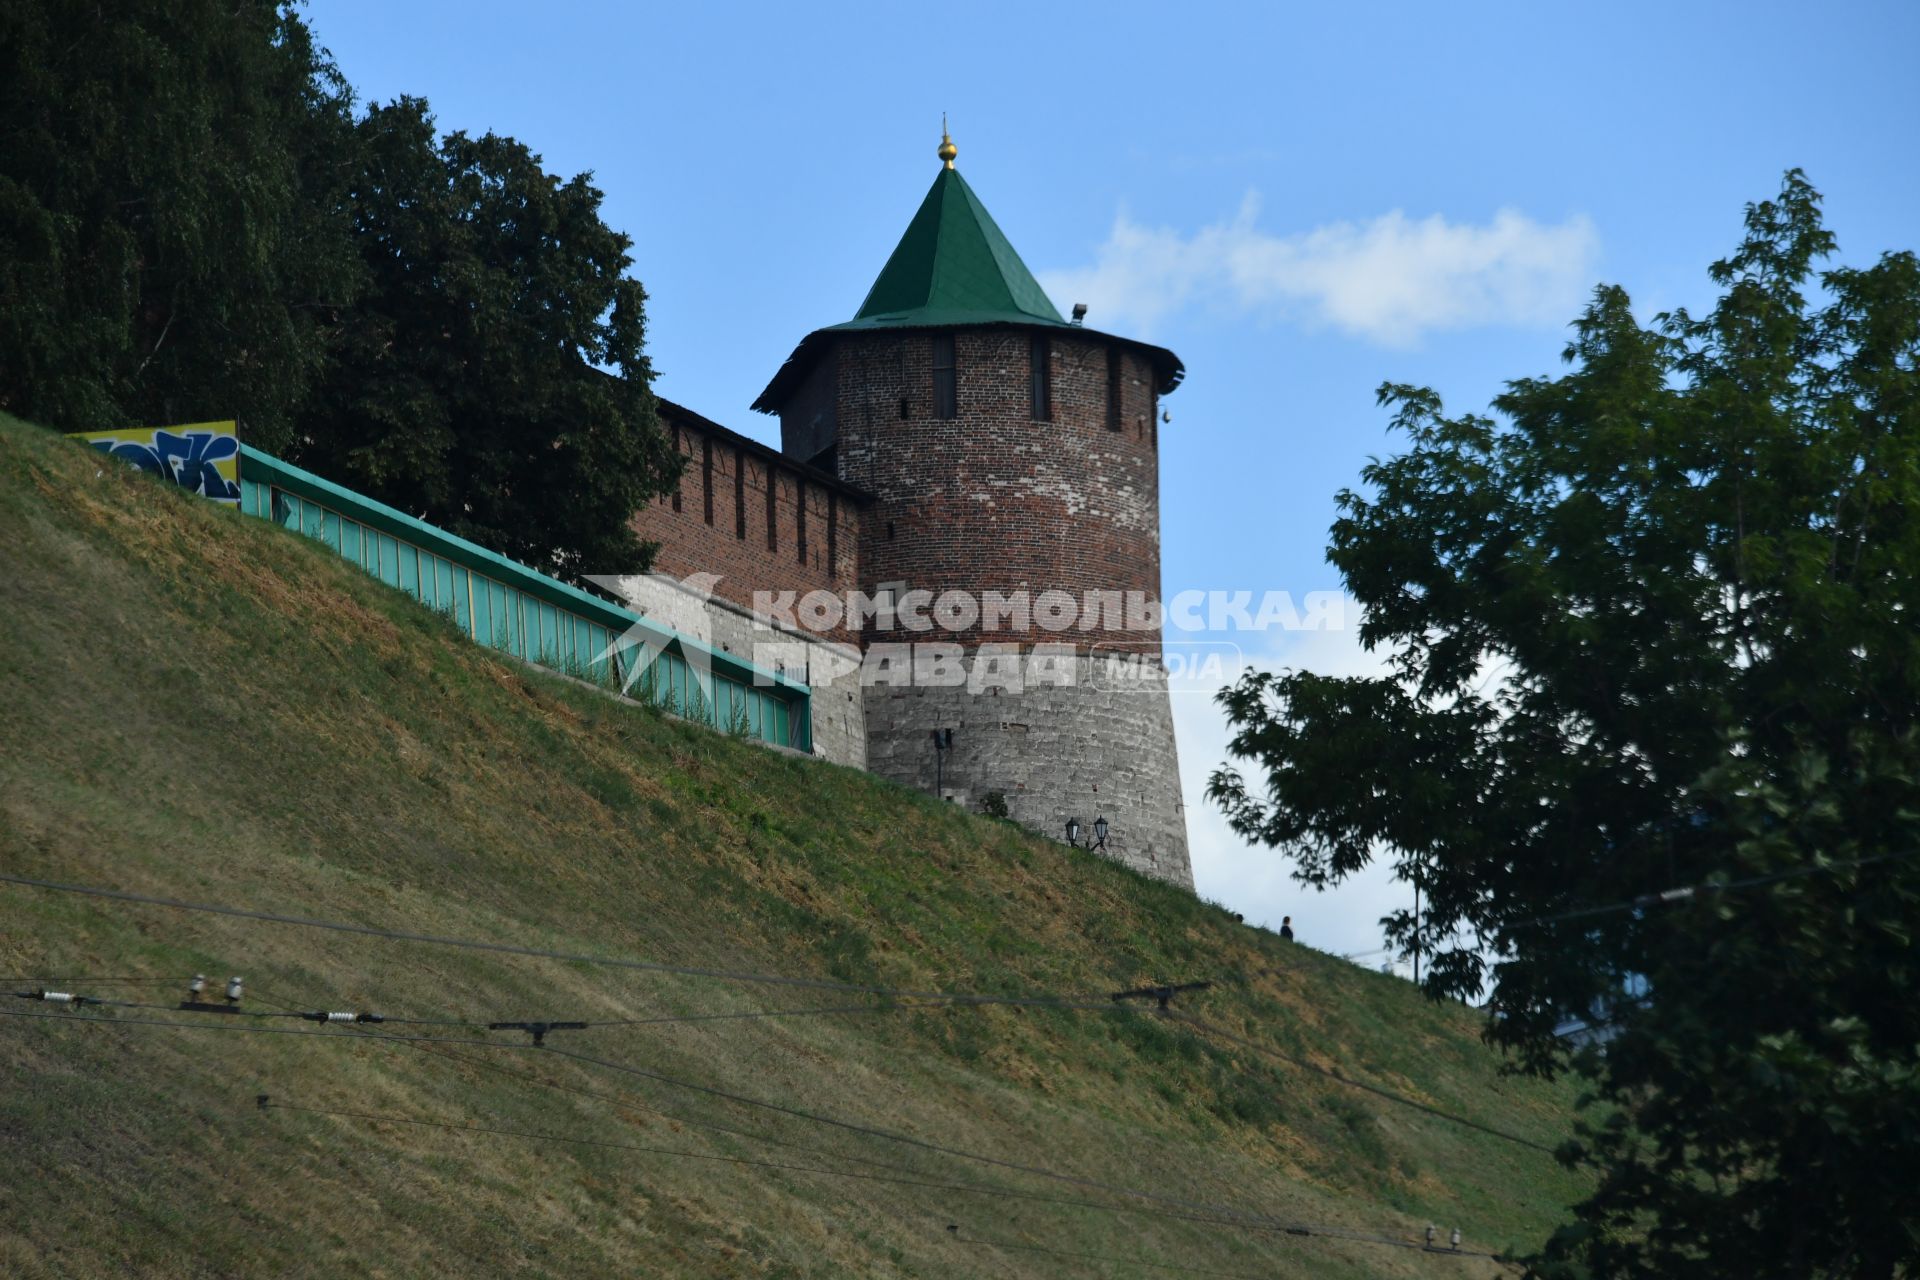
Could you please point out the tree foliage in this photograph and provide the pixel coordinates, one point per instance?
(172, 225)
(464, 386)
(194, 225)
(1655, 625)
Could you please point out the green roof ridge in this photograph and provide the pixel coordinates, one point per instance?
(954, 268)
(954, 265)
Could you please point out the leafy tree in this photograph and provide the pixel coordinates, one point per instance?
(171, 222)
(464, 387)
(1658, 624)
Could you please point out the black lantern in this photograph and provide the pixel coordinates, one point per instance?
(1099, 833)
(1073, 832)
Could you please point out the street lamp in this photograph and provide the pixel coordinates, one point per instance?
(1099, 840)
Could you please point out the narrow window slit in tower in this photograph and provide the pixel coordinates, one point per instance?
(706, 476)
(800, 518)
(906, 408)
(946, 399)
(1040, 377)
(1113, 388)
(739, 493)
(676, 479)
(833, 528)
(773, 523)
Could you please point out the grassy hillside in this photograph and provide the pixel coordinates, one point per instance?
(202, 706)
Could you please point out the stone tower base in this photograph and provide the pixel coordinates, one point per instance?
(1094, 740)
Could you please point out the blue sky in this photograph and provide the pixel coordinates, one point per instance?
(1303, 201)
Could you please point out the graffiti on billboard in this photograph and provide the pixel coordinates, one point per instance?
(202, 457)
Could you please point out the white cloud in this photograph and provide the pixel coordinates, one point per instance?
(1390, 280)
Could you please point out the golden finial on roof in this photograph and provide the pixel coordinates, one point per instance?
(947, 150)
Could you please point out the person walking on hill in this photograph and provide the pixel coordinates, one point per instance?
(1286, 927)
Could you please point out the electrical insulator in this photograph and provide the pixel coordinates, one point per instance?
(233, 991)
(321, 1015)
(197, 988)
(1456, 1238)
(1431, 1232)
(59, 997)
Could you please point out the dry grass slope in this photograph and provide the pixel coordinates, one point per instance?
(203, 706)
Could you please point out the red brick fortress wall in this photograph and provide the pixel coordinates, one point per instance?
(721, 521)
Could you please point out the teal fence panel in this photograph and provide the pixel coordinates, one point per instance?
(462, 610)
(524, 612)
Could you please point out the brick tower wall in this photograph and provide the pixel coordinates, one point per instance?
(994, 500)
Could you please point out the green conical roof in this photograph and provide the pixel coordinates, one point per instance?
(953, 269)
(954, 266)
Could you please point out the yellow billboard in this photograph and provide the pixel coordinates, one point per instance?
(202, 457)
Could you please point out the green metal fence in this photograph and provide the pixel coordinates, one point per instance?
(506, 605)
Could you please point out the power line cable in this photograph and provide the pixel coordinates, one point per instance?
(1334, 1074)
(229, 1011)
(508, 948)
(71, 982)
(1181, 1208)
(321, 1015)
(539, 1041)
(1034, 1170)
(1664, 897)
(1052, 1002)
(630, 1104)
(906, 1139)
(1185, 1269)
(224, 1025)
(644, 1073)
(1006, 1193)
(1686, 893)
(438, 1049)
(621, 1103)
(754, 1014)
(1682, 893)
(265, 1102)
(1108, 1259)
